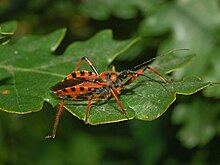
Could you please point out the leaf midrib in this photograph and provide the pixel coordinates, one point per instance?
(11, 69)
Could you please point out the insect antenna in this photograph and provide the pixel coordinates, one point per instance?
(143, 66)
(152, 59)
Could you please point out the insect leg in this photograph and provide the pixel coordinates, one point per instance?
(88, 62)
(88, 109)
(119, 103)
(129, 81)
(56, 121)
(158, 74)
(135, 74)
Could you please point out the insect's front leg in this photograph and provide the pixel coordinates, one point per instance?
(158, 74)
(119, 103)
(129, 81)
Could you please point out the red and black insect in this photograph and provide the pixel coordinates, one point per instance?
(86, 85)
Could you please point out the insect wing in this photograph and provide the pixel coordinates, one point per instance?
(66, 83)
(76, 77)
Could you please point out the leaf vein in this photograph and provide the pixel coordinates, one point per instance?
(12, 68)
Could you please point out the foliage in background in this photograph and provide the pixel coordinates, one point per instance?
(166, 25)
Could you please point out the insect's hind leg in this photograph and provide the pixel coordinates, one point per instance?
(88, 110)
(56, 121)
(88, 62)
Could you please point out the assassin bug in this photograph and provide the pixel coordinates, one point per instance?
(87, 85)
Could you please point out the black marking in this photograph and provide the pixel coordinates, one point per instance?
(82, 73)
(73, 74)
(73, 89)
(64, 90)
(68, 96)
(89, 89)
(81, 89)
(90, 73)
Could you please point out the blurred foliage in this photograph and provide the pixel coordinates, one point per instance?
(192, 137)
(200, 124)
(193, 25)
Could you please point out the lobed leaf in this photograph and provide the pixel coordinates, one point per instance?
(29, 70)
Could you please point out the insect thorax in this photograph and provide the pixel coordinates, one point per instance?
(110, 79)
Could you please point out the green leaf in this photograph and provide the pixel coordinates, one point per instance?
(31, 70)
(6, 31)
(26, 85)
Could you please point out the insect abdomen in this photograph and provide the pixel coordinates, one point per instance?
(87, 75)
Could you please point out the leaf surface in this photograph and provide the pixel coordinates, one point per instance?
(30, 70)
